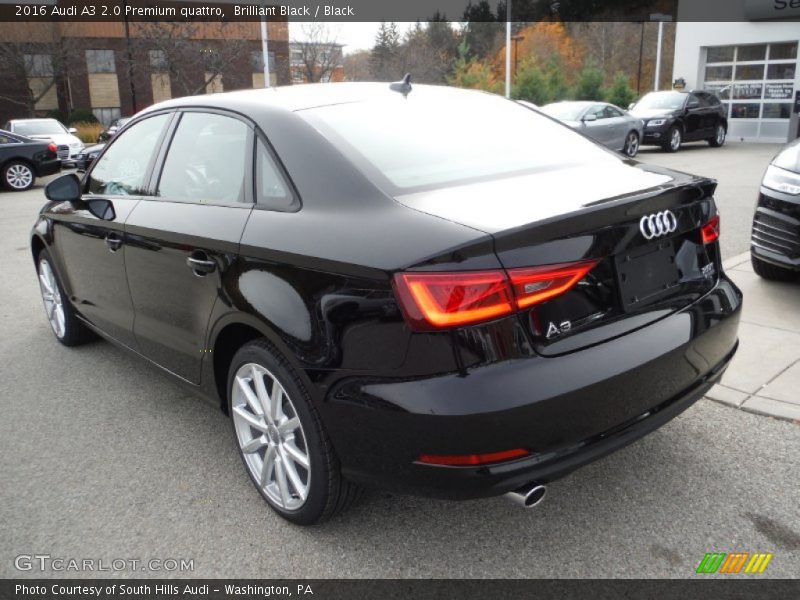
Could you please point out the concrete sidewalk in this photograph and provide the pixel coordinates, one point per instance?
(764, 377)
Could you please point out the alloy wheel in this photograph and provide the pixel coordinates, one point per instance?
(720, 135)
(271, 437)
(632, 145)
(675, 140)
(19, 176)
(53, 305)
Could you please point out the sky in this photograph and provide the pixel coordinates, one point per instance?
(355, 36)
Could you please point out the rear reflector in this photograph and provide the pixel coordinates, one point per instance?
(432, 301)
(467, 460)
(539, 284)
(710, 230)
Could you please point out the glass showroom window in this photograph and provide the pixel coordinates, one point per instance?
(755, 81)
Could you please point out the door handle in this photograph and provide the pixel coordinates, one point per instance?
(200, 264)
(113, 241)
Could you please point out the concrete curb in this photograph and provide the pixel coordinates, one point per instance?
(769, 397)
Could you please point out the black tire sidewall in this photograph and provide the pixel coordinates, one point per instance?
(262, 353)
(5, 176)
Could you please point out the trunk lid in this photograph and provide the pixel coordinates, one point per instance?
(576, 213)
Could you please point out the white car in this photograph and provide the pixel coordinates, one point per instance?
(68, 145)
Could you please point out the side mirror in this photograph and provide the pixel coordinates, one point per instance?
(66, 188)
(590, 118)
(72, 130)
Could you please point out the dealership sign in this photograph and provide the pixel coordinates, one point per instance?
(771, 9)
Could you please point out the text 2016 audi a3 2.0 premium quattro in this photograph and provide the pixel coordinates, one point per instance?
(428, 290)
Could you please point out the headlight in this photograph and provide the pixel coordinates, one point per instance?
(656, 122)
(782, 180)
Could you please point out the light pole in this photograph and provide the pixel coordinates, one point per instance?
(508, 48)
(265, 46)
(661, 19)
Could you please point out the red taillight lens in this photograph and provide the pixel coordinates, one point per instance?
(710, 231)
(439, 300)
(467, 460)
(539, 284)
(52, 147)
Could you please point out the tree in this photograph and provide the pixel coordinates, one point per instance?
(319, 51)
(185, 52)
(482, 31)
(384, 53)
(34, 59)
(356, 66)
(428, 51)
(589, 84)
(531, 84)
(620, 93)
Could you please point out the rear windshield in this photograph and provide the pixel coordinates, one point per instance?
(444, 138)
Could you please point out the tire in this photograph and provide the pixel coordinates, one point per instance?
(18, 176)
(719, 137)
(259, 436)
(770, 271)
(674, 139)
(631, 148)
(67, 328)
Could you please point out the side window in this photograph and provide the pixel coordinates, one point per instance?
(122, 169)
(206, 160)
(612, 112)
(598, 111)
(693, 101)
(272, 191)
(4, 139)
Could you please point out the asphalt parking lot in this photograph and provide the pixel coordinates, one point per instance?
(102, 458)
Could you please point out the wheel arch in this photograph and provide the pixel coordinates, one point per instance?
(228, 335)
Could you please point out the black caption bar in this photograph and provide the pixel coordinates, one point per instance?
(326, 589)
(402, 10)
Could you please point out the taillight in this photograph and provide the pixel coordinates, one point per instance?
(440, 300)
(52, 147)
(539, 284)
(710, 231)
(433, 301)
(471, 460)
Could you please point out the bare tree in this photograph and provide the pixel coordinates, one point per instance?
(318, 50)
(192, 54)
(356, 66)
(34, 58)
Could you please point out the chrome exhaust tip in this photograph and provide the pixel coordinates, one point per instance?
(528, 495)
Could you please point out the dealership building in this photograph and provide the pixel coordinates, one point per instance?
(751, 64)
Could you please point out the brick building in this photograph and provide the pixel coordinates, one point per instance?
(115, 72)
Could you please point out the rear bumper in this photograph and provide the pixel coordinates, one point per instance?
(566, 411)
(48, 167)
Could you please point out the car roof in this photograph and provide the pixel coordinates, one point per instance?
(30, 120)
(302, 97)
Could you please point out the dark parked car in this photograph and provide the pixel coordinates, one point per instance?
(672, 118)
(87, 156)
(22, 160)
(775, 243)
(380, 295)
(115, 126)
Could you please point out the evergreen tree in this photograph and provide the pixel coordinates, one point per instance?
(384, 53)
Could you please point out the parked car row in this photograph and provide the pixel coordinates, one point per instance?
(31, 148)
(666, 119)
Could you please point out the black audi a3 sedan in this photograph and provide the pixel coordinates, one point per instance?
(384, 288)
(775, 242)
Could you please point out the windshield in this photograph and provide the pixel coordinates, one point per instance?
(565, 111)
(661, 101)
(50, 127)
(446, 137)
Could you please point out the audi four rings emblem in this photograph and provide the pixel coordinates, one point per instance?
(658, 224)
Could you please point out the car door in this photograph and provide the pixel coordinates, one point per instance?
(695, 119)
(597, 129)
(89, 236)
(617, 126)
(181, 242)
